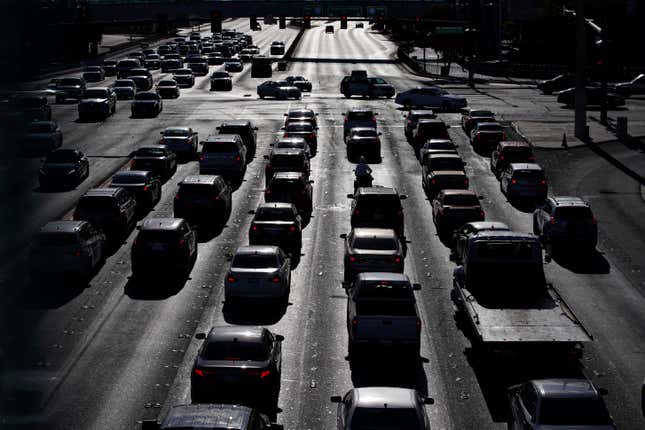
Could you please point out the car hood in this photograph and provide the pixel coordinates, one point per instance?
(174, 139)
(92, 101)
(144, 102)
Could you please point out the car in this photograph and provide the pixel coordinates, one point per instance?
(508, 152)
(113, 210)
(125, 65)
(558, 404)
(145, 186)
(380, 88)
(93, 74)
(233, 65)
(566, 221)
(142, 71)
(292, 143)
(437, 180)
(412, 118)
(125, 89)
(261, 272)
(363, 141)
(171, 65)
(277, 224)
(237, 362)
(199, 66)
(223, 154)
(433, 97)
(291, 187)
(299, 81)
(277, 48)
(215, 58)
(378, 207)
(594, 98)
(109, 67)
(155, 158)
(634, 87)
(20, 110)
(372, 250)
(221, 81)
(146, 103)
(62, 247)
(427, 128)
(42, 137)
(437, 162)
(246, 130)
(300, 115)
(356, 84)
(53, 83)
(97, 102)
(329, 29)
(358, 117)
(434, 147)
(184, 78)
(168, 89)
(471, 117)
(486, 135)
(279, 89)
(523, 181)
(70, 88)
(152, 61)
(247, 54)
(305, 130)
(162, 247)
(203, 200)
(462, 234)
(182, 141)
(63, 167)
(143, 83)
(453, 208)
(286, 160)
(559, 83)
(390, 407)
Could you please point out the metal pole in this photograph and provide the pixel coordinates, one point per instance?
(603, 78)
(499, 29)
(424, 57)
(581, 130)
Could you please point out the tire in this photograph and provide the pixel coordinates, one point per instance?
(347, 95)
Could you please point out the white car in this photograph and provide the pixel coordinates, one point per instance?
(432, 97)
(279, 90)
(258, 272)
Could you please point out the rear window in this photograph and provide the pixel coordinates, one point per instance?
(384, 290)
(440, 144)
(62, 157)
(391, 308)
(368, 115)
(574, 213)
(39, 128)
(291, 144)
(299, 113)
(150, 152)
(128, 179)
(518, 151)
(506, 250)
(385, 419)
(381, 204)
(446, 164)
(186, 190)
(364, 133)
(460, 200)
(255, 261)
(299, 127)
(528, 174)
(283, 160)
(485, 113)
(95, 94)
(236, 351)
(233, 129)
(574, 412)
(274, 214)
(124, 83)
(374, 243)
(97, 204)
(69, 81)
(146, 96)
(56, 239)
(220, 147)
(166, 84)
(158, 236)
(128, 63)
(220, 75)
(284, 186)
(176, 132)
(489, 127)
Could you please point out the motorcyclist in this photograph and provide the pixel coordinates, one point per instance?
(363, 170)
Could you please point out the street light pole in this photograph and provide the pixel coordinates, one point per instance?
(581, 130)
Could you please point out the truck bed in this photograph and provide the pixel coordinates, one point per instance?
(548, 319)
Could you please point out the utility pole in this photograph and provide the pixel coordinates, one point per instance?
(581, 129)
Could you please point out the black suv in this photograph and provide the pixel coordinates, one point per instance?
(163, 245)
(203, 198)
(291, 187)
(246, 131)
(277, 224)
(378, 207)
(64, 167)
(286, 160)
(111, 209)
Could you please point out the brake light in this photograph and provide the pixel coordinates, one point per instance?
(202, 373)
(133, 164)
(238, 158)
(594, 221)
(265, 373)
(478, 136)
(543, 182)
(254, 228)
(231, 279)
(482, 214)
(199, 372)
(177, 197)
(201, 158)
(292, 228)
(346, 119)
(501, 157)
(397, 260)
(503, 136)
(354, 326)
(400, 214)
(513, 181)
(410, 121)
(466, 182)
(182, 243)
(357, 212)
(146, 188)
(553, 220)
(311, 135)
(77, 253)
(135, 243)
(303, 192)
(418, 327)
(373, 119)
(433, 182)
(531, 158)
(352, 259)
(267, 192)
(275, 280)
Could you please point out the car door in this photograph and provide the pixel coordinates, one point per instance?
(504, 178)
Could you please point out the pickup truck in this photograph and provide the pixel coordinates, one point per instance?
(502, 295)
(382, 312)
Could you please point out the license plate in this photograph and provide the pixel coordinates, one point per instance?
(379, 217)
(158, 246)
(253, 280)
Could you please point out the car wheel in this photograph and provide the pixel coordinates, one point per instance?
(261, 96)
(347, 95)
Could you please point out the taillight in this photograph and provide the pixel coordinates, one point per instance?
(478, 136)
(217, 198)
(238, 158)
(146, 188)
(553, 220)
(373, 119)
(135, 243)
(177, 197)
(354, 326)
(357, 212)
(466, 182)
(543, 182)
(513, 181)
(397, 260)
(267, 192)
(482, 214)
(594, 221)
(182, 243)
(201, 158)
(77, 253)
(292, 228)
(311, 135)
(268, 167)
(352, 259)
(254, 228)
(265, 373)
(133, 164)
(410, 122)
(418, 327)
(433, 182)
(531, 158)
(503, 136)
(199, 372)
(346, 119)
(275, 280)
(286, 135)
(231, 279)
(303, 192)
(501, 157)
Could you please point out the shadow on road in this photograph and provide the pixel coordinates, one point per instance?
(50, 292)
(253, 313)
(586, 262)
(389, 370)
(154, 288)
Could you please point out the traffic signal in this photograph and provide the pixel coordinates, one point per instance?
(283, 22)
(343, 22)
(216, 21)
(306, 22)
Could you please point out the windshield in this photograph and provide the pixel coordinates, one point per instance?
(236, 351)
(220, 75)
(124, 83)
(489, 127)
(146, 96)
(128, 179)
(364, 133)
(56, 239)
(301, 114)
(446, 164)
(528, 174)
(507, 250)
(439, 144)
(62, 157)
(255, 261)
(299, 127)
(183, 72)
(293, 144)
(374, 243)
(275, 214)
(367, 116)
(574, 412)
(574, 213)
(167, 84)
(384, 290)
(460, 200)
(178, 132)
(485, 113)
(220, 147)
(95, 94)
(96, 204)
(385, 419)
(287, 160)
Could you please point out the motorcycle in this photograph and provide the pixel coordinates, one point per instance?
(363, 181)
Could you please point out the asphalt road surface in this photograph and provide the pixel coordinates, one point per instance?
(115, 352)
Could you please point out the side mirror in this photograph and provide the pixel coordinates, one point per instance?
(375, 113)
(194, 133)
(271, 144)
(428, 401)
(548, 258)
(448, 126)
(251, 212)
(343, 236)
(336, 399)
(480, 197)
(217, 128)
(380, 134)
(200, 336)
(282, 128)
(464, 163)
(285, 114)
(161, 132)
(279, 337)
(416, 287)
(403, 196)
(316, 114)
(311, 181)
(350, 196)
(602, 391)
(266, 157)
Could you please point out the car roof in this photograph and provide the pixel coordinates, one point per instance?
(448, 173)
(276, 205)
(257, 249)
(100, 88)
(504, 234)
(155, 224)
(481, 124)
(296, 110)
(362, 129)
(458, 192)
(223, 138)
(177, 128)
(384, 191)
(236, 123)
(514, 143)
(154, 93)
(132, 173)
(288, 151)
(382, 276)
(288, 175)
(444, 155)
(62, 226)
(569, 201)
(291, 139)
(422, 112)
(384, 397)
(431, 121)
(369, 232)
(563, 388)
(151, 147)
(360, 109)
(526, 166)
(231, 333)
(101, 192)
(207, 416)
(488, 225)
(199, 180)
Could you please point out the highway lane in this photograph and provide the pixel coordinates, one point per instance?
(116, 346)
